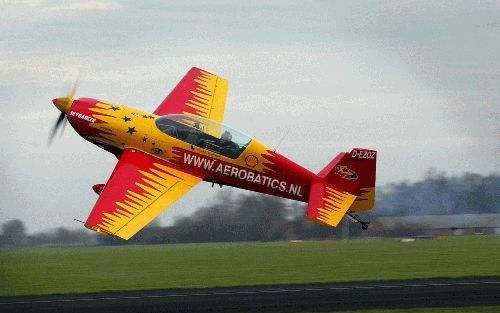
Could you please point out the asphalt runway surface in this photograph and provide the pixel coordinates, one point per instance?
(461, 292)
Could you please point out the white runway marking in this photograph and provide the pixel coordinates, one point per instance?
(228, 293)
(154, 296)
(434, 284)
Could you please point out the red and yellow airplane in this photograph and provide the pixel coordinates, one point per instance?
(164, 154)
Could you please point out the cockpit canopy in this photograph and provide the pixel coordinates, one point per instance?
(204, 133)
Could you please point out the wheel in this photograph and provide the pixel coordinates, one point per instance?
(364, 226)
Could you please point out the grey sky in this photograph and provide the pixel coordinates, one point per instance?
(418, 81)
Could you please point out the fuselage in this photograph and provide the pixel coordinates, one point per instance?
(194, 144)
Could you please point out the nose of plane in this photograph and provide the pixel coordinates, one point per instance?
(62, 104)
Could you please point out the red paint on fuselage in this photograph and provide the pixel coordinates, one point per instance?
(287, 180)
(81, 108)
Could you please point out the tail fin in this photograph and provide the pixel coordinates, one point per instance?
(346, 183)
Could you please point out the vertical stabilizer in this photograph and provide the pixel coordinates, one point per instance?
(346, 183)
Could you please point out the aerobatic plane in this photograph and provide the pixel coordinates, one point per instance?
(162, 155)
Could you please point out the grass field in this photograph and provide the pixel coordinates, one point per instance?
(75, 270)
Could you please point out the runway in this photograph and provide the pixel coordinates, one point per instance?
(281, 298)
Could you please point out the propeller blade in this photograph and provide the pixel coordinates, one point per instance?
(59, 121)
(74, 87)
(63, 127)
(62, 119)
(73, 90)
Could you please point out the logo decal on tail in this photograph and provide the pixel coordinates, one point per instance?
(345, 172)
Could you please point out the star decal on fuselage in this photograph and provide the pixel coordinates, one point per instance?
(144, 139)
(114, 108)
(126, 119)
(131, 130)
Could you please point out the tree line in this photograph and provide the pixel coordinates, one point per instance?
(257, 217)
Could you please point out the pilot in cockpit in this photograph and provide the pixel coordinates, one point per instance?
(228, 147)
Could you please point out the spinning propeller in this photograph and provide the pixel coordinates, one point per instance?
(63, 104)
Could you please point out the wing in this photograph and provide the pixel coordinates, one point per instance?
(139, 189)
(199, 93)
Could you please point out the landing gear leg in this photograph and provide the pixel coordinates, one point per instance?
(355, 218)
(215, 182)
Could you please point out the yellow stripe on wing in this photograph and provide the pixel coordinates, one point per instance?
(161, 186)
(209, 100)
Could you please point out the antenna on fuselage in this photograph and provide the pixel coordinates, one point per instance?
(281, 140)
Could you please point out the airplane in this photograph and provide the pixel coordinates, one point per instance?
(162, 155)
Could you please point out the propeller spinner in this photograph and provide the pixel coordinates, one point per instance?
(63, 105)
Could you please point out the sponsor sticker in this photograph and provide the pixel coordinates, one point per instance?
(82, 116)
(244, 174)
(345, 172)
(252, 161)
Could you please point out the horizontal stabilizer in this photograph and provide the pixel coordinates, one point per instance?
(328, 205)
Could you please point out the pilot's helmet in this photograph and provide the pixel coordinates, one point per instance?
(226, 136)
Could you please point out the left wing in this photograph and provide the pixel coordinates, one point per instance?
(139, 189)
(199, 93)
